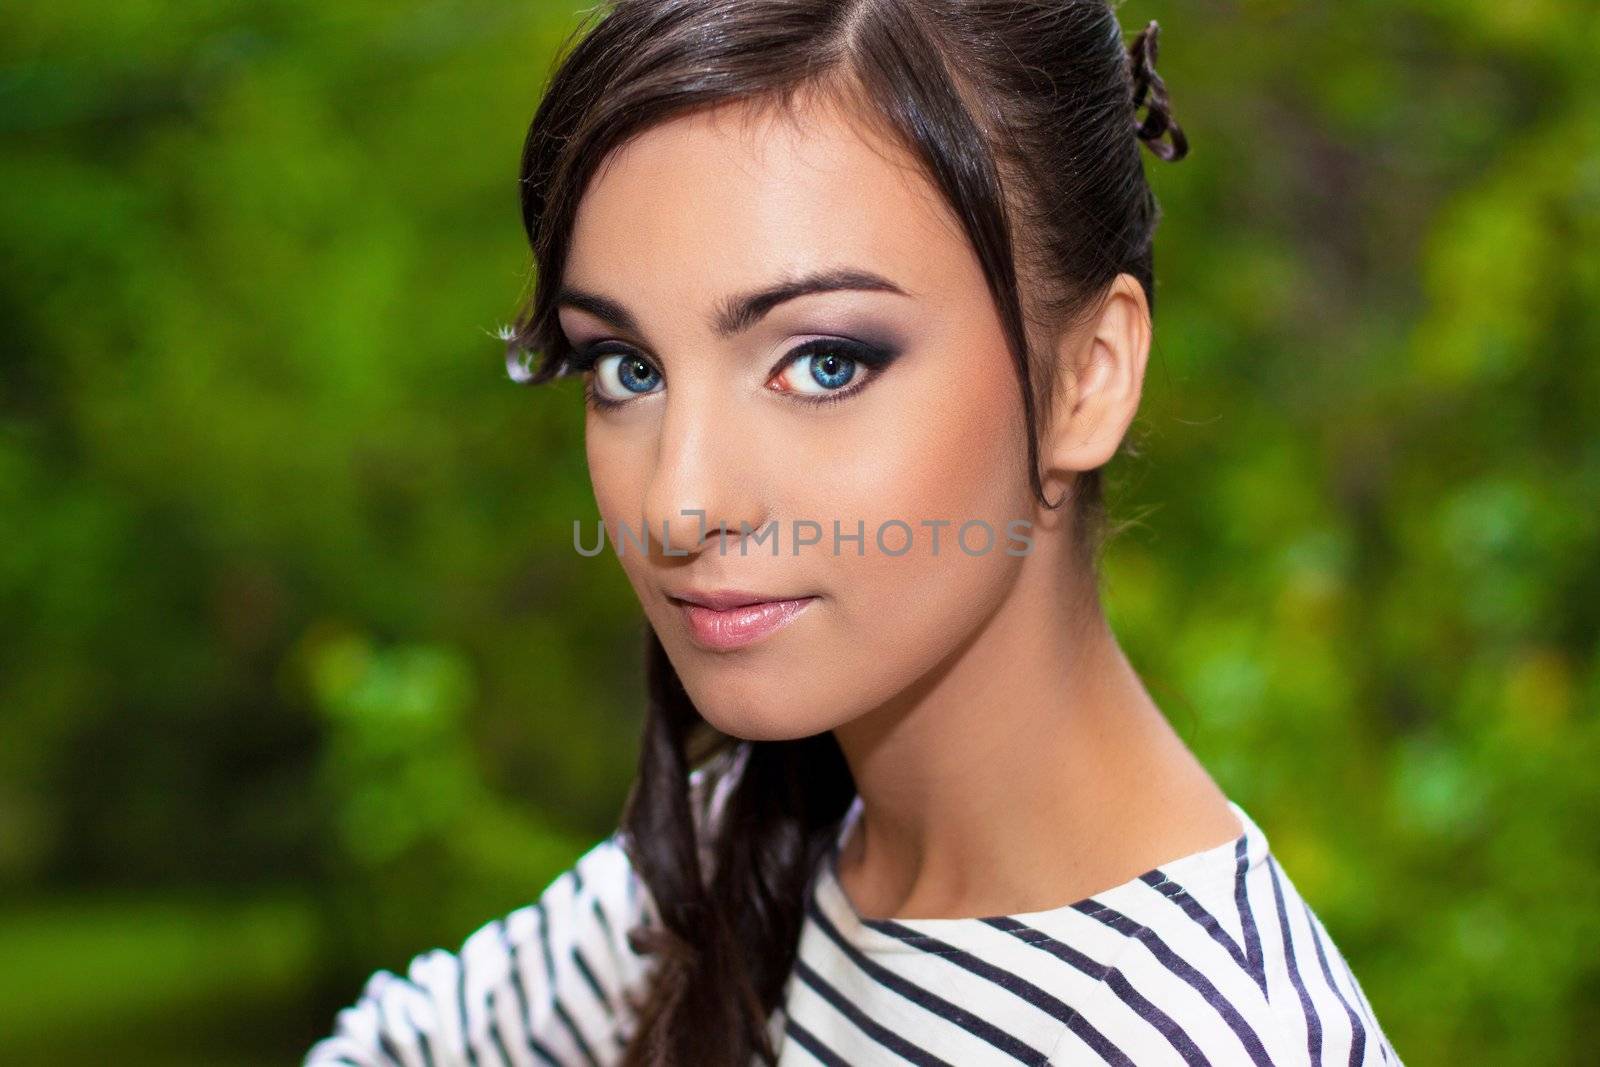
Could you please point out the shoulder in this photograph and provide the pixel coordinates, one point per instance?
(558, 978)
(552, 978)
(1223, 962)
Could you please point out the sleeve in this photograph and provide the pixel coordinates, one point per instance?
(552, 984)
(547, 984)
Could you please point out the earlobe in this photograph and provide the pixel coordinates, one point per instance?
(1100, 381)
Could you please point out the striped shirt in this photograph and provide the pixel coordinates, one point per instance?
(1212, 958)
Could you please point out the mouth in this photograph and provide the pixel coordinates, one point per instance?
(726, 620)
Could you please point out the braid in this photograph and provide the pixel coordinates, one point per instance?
(1158, 118)
(659, 823)
(769, 810)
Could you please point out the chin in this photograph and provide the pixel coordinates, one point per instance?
(757, 713)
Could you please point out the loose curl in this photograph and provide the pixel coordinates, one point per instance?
(1023, 114)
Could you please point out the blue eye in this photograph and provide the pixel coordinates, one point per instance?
(819, 371)
(831, 371)
(632, 374)
(825, 370)
(619, 376)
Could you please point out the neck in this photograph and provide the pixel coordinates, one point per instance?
(1029, 769)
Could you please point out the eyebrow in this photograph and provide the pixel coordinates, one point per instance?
(738, 313)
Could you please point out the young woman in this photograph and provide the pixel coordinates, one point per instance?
(861, 294)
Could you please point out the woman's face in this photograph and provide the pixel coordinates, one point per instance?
(890, 398)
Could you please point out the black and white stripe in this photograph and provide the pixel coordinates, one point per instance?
(1214, 958)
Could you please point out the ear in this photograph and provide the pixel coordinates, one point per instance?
(1100, 379)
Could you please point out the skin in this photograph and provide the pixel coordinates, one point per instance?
(1008, 757)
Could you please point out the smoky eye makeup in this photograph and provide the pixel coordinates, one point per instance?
(594, 360)
(819, 371)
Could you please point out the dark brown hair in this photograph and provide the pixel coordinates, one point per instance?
(1024, 114)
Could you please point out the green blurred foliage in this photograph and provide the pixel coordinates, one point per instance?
(299, 674)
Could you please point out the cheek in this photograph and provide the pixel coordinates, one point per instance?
(618, 479)
(899, 614)
(619, 482)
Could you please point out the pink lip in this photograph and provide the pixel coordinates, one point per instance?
(741, 624)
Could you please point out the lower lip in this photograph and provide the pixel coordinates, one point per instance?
(737, 627)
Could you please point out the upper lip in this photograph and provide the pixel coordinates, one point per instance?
(724, 599)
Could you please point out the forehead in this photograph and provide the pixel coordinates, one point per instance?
(709, 201)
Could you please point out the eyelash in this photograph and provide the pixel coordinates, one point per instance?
(874, 357)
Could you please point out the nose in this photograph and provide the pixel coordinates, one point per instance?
(705, 480)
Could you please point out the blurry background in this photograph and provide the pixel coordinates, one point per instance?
(300, 675)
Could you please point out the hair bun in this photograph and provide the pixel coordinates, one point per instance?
(1158, 119)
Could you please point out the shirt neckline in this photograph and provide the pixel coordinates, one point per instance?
(1228, 860)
